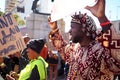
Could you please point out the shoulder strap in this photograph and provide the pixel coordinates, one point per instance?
(44, 68)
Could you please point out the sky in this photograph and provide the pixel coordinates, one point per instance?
(112, 9)
(2, 3)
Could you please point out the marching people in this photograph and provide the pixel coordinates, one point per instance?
(14, 63)
(53, 65)
(87, 58)
(5, 66)
(44, 52)
(23, 57)
(36, 69)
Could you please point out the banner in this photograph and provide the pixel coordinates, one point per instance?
(11, 39)
(63, 8)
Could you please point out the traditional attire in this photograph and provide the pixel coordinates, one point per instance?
(93, 62)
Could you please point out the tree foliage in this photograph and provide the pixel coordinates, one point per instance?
(18, 19)
(1, 13)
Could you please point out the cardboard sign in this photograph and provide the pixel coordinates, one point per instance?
(11, 40)
(63, 8)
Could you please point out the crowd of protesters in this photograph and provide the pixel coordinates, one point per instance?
(83, 58)
(14, 62)
(16, 66)
(88, 59)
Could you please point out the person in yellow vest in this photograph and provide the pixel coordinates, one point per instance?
(36, 69)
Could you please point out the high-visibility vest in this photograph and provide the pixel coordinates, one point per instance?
(41, 66)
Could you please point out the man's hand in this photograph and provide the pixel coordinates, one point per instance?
(98, 10)
(53, 25)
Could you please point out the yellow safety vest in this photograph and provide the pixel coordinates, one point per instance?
(41, 64)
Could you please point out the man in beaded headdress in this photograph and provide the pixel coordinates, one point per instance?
(87, 58)
(87, 23)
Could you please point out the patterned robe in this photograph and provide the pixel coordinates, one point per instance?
(93, 62)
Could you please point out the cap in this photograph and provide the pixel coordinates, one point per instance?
(36, 45)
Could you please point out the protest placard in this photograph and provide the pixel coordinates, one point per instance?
(11, 40)
(63, 8)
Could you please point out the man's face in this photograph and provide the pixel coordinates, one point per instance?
(26, 39)
(76, 33)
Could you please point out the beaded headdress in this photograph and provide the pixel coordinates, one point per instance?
(87, 23)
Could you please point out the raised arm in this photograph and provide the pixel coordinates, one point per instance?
(99, 11)
(56, 38)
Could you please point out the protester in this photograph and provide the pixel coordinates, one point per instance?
(53, 65)
(90, 60)
(36, 68)
(8, 63)
(5, 66)
(44, 52)
(15, 62)
(61, 66)
(23, 58)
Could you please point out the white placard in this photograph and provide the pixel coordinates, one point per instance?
(63, 8)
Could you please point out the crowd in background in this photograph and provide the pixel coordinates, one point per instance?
(14, 63)
(85, 58)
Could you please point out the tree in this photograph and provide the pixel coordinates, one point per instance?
(1, 13)
(19, 21)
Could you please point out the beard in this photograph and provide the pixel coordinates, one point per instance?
(76, 39)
